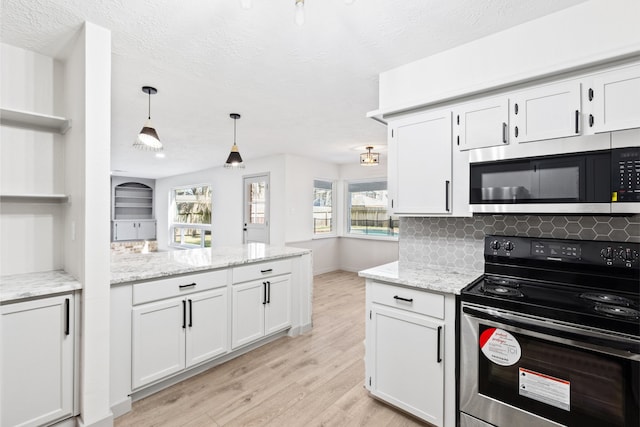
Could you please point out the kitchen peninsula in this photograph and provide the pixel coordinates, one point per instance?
(175, 314)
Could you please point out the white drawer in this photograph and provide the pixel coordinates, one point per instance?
(176, 286)
(261, 270)
(423, 302)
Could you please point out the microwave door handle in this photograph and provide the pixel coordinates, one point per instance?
(560, 331)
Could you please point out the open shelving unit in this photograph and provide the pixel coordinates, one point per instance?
(34, 121)
(132, 200)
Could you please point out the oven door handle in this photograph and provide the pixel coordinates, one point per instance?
(558, 330)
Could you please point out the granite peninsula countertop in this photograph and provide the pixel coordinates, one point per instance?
(433, 278)
(15, 287)
(135, 267)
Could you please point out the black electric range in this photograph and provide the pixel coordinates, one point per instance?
(589, 283)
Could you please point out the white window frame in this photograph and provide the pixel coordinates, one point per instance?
(347, 211)
(334, 211)
(184, 226)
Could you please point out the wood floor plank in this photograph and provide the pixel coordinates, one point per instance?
(316, 379)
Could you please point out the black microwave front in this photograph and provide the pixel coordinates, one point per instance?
(587, 182)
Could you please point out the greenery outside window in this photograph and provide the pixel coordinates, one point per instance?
(367, 210)
(323, 218)
(191, 222)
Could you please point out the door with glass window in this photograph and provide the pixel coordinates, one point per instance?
(256, 209)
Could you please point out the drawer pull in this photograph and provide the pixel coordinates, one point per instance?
(396, 297)
(269, 270)
(66, 316)
(438, 358)
(184, 314)
(187, 286)
(190, 314)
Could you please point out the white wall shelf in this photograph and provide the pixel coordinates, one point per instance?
(34, 121)
(34, 198)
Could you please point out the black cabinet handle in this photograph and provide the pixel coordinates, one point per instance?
(446, 195)
(190, 313)
(591, 120)
(577, 121)
(458, 119)
(264, 293)
(438, 358)
(268, 292)
(116, 236)
(516, 131)
(187, 286)
(268, 270)
(184, 314)
(504, 133)
(391, 203)
(515, 109)
(590, 94)
(402, 299)
(66, 317)
(458, 139)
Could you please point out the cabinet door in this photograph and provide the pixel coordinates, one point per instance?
(146, 230)
(483, 124)
(158, 340)
(422, 174)
(616, 100)
(248, 301)
(37, 361)
(407, 362)
(546, 112)
(278, 308)
(206, 326)
(125, 230)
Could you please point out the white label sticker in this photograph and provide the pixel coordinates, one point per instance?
(544, 388)
(500, 346)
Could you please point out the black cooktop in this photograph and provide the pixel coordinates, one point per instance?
(593, 284)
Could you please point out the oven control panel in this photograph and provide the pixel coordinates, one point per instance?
(625, 182)
(618, 254)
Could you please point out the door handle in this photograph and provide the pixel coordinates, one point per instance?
(577, 121)
(446, 195)
(190, 314)
(66, 317)
(438, 358)
(264, 293)
(504, 133)
(184, 314)
(268, 292)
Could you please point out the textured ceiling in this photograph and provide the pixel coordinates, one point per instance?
(301, 90)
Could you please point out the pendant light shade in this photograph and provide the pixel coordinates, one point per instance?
(234, 160)
(369, 158)
(148, 137)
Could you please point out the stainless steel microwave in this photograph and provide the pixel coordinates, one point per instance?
(587, 182)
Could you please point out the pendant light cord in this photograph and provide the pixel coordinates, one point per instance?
(234, 130)
(149, 93)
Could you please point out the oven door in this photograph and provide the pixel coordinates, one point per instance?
(525, 371)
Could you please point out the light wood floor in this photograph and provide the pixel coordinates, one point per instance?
(315, 379)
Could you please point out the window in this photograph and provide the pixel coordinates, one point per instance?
(191, 224)
(323, 208)
(367, 202)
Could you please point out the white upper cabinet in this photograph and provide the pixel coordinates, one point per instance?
(614, 98)
(546, 112)
(484, 123)
(420, 164)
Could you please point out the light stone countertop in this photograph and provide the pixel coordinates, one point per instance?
(16, 287)
(135, 267)
(433, 278)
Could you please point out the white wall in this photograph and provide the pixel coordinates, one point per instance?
(589, 32)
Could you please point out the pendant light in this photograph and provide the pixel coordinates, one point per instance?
(148, 137)
(369, 158)
(234, 160)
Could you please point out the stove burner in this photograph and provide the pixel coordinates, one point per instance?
(616, 300)
(618, 311)
(504, 291)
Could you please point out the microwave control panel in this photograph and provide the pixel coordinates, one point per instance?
(625, 182)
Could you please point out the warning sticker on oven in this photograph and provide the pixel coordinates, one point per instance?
(544, 388)
(500, 347)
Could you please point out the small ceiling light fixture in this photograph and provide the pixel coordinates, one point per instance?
(300, 12)
(148, 137)
(234, 160)
(369, 158)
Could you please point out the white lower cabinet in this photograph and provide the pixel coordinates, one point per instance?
(260, 308)
(37, 358)
(410, 351)
(171, 335)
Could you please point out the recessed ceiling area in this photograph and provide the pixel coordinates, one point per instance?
(302, 90)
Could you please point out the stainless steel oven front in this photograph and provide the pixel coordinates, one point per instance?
(528, 371)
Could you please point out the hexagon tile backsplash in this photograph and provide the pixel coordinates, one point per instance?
(459, 241)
